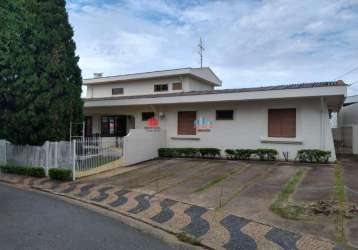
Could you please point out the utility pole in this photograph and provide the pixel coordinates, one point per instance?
(201, 50)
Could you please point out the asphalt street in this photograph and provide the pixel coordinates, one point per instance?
(30, 220)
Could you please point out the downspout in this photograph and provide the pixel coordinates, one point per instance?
(323, 126)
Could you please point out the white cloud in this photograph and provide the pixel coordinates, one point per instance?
(247, 42)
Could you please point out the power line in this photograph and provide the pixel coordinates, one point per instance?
(348, 72)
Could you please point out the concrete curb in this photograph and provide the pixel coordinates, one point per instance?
(171, 230)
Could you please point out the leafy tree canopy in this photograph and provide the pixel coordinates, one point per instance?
(40, 81)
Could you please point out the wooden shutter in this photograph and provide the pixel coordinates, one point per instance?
(177, 86)
(282, 123)
(186, 121)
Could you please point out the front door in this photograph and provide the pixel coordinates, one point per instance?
(122, 125)
(88, 126)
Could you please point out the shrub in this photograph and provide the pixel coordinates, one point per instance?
(230, 153)
(165, 152)
(210, 152)
(37, 172)
(240, 154)
(189, 152)
(244, 154)
(177, 152)
(60, 174)
(266, 154)
(313, 155)
(23, 170)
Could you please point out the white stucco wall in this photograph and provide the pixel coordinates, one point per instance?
(348, 115)
(355, 139)
(142, 145)
(247, 130)
(145, 87)
(196, 85)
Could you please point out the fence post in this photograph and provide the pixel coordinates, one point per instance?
(47, 151)
(74, 160)
(5, 153)
(56, 151)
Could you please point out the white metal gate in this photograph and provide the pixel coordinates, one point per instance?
(93, 155)
(343, 140)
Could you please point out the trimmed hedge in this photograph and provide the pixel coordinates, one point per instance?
(239, 154)
(22, 170)
(60, 174)
(313, 155)
(245, 154)
(210, 152)
(189, 152)
(267, 154)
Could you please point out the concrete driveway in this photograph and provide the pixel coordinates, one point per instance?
(241, 188)
(222, 204)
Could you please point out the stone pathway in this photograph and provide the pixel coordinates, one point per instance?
(213, 229)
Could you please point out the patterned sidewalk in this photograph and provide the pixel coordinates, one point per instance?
(213, 229)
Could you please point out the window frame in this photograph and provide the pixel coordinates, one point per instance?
(105, 125)
(122, 92)
(224, 118)
(286, 123)
(143, 118)
(159, 87)
(176, 83)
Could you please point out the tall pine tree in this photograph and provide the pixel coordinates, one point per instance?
(40, 81)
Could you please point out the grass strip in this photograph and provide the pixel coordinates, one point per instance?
(340, 197)
(182, 236)
(247, 185)
(281, 205)
(218, 180)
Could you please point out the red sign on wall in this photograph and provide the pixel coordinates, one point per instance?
(152, 122)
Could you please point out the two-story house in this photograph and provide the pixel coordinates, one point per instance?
(185, 103)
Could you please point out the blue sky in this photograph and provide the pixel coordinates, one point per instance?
(248, 42)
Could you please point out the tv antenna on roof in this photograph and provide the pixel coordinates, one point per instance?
(201, 51)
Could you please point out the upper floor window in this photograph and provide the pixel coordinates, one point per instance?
(177, 86)
(224, 114)
(282, 123)
(117, 91)
(160, 87)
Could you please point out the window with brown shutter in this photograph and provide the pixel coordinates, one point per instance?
(282, 123)
(186, 121)
(177, 86)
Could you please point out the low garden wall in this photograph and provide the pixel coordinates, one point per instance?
(142, 145)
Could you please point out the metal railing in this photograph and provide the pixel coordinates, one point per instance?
(93, 152)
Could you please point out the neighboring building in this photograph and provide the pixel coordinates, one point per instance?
(348, 115)
(185, 104)
(346, 134)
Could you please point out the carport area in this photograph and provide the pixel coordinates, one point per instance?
(246, 189)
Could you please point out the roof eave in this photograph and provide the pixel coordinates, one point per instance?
(332, 91)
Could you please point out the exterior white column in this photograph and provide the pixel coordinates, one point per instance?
(355, 139)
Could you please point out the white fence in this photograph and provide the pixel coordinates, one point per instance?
(2, 152)
(84, 156)
(142, 145)
(49, 155)
(92, 153)
(87, 156)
